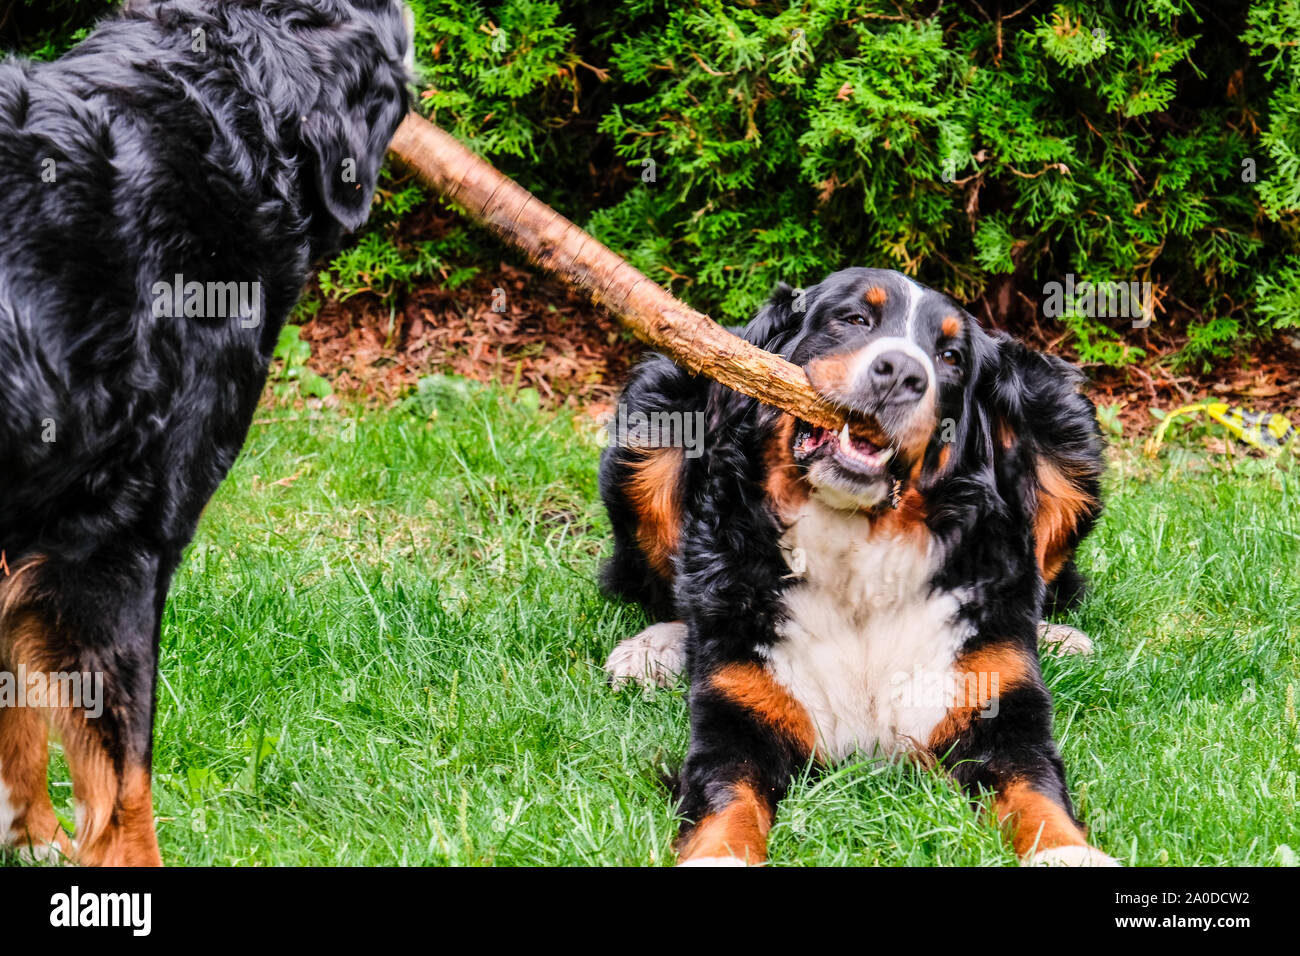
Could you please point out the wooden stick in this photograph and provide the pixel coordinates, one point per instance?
(691, 339)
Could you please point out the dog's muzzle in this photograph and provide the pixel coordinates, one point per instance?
(895, 378)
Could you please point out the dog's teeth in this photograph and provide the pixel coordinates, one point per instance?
(885, 455)
(845, 440)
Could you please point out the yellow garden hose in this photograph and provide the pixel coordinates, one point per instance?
(1266, 431)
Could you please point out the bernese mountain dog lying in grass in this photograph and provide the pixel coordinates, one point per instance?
(164, 190)
(872, 591)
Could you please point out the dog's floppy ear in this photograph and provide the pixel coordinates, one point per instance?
(775, 325)
(1036, 399)
(347, 137)
(1017, 401)
(1045, 444)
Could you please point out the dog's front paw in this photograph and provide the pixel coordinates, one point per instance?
(1063, 639)
(1071, 856)
(655, 657)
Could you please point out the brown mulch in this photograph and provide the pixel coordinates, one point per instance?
(1267, 380)
(576, 355)
(547, 338)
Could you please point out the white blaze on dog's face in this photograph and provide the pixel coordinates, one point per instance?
(896, 355)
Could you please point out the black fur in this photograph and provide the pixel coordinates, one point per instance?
(133, 159)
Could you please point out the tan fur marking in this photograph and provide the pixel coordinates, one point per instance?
(992, 669)
(907, 520)
(15, 590)
(751, 687)
(951, 326)
(1006, 435)
(1060, 505)
(1033, 820)
(739, 829)
(24, 756)
(786, 486)
(654, 491)
(116, 810)
(116, 807)
(829, 375)
(875, 295)
(917, 438)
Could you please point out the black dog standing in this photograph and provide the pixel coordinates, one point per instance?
(164, 189)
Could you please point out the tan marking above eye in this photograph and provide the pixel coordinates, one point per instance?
(875, 295)
(951, 326)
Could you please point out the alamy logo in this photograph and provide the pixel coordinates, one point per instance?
(131, 910)
(208, 300)
(1099, 300)
(659, 430)
(976, 691)
(80, 690)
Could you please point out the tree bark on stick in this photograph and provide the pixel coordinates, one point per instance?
(691, 339)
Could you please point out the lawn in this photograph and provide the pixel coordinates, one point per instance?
(384, 647)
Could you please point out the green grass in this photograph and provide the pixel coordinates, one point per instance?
(385, 647)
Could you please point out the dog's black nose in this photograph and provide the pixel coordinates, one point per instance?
(897, 377)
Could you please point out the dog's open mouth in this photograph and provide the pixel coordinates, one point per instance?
(855, 449)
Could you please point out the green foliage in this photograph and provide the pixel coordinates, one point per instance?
(1098, 344)
(1279, 293)
(1274, 27)
(292, 376)
(44, 29)
(436, 393)
(1212, 338)
(376, 263)
(723, 145)
(381, 262)
(764, 142)
(994, 245)
(1108, 418)
(479, 63)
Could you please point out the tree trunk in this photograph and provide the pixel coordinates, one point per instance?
(691, 339)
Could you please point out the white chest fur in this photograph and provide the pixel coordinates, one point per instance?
(867, 649)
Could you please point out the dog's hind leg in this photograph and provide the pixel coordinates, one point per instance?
(86, 633)
(1064, 592)
(1063, 639)
(27, 820)
(654, 657)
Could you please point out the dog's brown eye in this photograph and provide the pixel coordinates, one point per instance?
(858, 319)
(950, 356)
